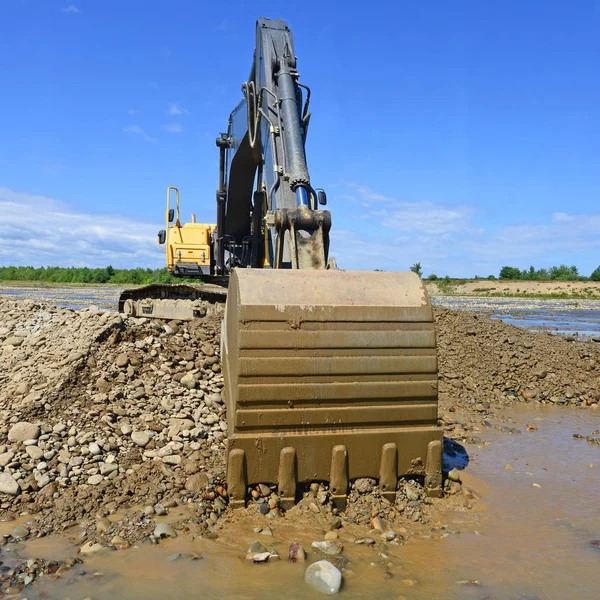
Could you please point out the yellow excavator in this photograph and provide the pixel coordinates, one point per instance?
(330, 375)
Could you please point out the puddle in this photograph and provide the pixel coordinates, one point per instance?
(530, 542)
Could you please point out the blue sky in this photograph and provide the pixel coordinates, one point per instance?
(464, 135)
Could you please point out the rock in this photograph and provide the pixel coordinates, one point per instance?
(6, 458)
(365, 541)
(95, 479)
(174, 459)
(453, 475)
(140, 438)
(163, 530)
(331, 535)
(410, 492)
(328, 547)
(34, 452)
(119, 543)
(94, 449)
(336, 523)
(90, 548)
(261, 557)
(324, 576)
(8, 485)
(122, 360)
(363, 486)
(263, 508)
(296, 552)
(196, 482)
(256, 548)
(531, 427)
(23, 431)
(20, 532)
(189, 381)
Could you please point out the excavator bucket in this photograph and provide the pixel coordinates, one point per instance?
(330, 376)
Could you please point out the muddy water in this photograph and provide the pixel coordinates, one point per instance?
(527, 541)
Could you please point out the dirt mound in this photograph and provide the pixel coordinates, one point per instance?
(484, 363)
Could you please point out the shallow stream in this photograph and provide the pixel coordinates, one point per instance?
(539, 515)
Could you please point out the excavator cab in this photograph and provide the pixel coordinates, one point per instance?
(188, 246)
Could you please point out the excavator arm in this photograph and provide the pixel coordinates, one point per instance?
(266, 207)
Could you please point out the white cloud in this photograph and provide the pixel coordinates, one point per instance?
(137, 130)
(176, 109)
(371, 231)
(172, 128)
(40, 231)
(70, 9)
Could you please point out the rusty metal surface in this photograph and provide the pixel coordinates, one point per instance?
(338, 369)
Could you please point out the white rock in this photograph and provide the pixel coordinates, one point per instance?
(95, 450)
(8, 485)
(324, 576)
(95, 479)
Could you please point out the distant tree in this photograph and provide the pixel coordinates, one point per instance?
(564, 273)
(491, 277)
(595, 276)
(416, 268)
(510, 273)
(434, 277)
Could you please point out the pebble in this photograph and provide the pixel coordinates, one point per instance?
(453, 475)
(95, 479)
(20, 532)
(91, 548)
(328, 547)
(163, 530)
(324, 576)
(296, 552)
(140, 438)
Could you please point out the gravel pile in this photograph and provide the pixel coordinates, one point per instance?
(486, 364)
(101, 412)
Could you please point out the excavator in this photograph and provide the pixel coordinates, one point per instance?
(329, 375)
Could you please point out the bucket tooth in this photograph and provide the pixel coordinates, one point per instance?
(237, 482)
(433, 469)
(388, 471)
(339, 476)
(287, 477)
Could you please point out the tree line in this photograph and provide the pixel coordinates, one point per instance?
(86, 275)
(556, 273)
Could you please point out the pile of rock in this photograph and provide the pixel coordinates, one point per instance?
(485, 363)
(102, 411)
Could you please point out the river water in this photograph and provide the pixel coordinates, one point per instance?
(531, 539)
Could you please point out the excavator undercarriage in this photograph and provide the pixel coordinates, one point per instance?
(330, 375)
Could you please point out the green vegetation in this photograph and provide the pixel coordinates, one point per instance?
(595, 276)
(560, 273)
(80, 275)
(416, 268)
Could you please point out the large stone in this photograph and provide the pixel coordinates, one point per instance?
(23, 431)
(195, 483)
(324, 576)
(8, 485)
